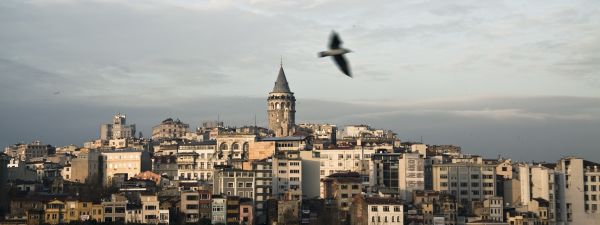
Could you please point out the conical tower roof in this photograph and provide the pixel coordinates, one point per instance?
(281, 84)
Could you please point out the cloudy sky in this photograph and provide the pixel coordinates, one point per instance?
(513, 78)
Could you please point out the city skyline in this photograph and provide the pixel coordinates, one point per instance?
(509, 78)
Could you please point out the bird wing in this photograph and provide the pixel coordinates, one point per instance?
(335, 41)
(342, 63)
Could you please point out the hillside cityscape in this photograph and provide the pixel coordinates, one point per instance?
(286, 173)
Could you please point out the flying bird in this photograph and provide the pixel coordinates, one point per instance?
(336, 50)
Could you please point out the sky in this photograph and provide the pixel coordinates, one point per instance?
(520, 79)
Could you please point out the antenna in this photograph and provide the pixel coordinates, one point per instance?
(281, 61)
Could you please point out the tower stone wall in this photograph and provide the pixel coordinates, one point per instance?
(281, 107)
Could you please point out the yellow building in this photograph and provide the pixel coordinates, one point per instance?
(54, 212)
(97, 213)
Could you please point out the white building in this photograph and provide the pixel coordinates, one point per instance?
(581, 190)
(377, 211)
(287, 175)
(118, 129)
(468, 180)
(344, 160)
(130, 162)
(401, 173)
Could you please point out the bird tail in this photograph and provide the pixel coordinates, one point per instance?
(322, 54)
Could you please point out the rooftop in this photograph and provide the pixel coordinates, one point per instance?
(383, 201)
(281, 84)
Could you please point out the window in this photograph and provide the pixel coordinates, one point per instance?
(593, 178)
(593, 187)
(474, 184)
(343, 186)
(108, 210)
(594, 198)
(248, 184)
(241, 184)
(294, 171)
(354, 187)
(396, 208)
(386, 208)
(373, 208)
(474, 176)
(230, 184)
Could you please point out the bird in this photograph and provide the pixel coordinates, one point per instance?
(336, 50)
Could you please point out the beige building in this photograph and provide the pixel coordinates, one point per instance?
(468, 179)
(26, 152)
(287, 176)
(234, 146)
(377, 211)
(342, 188)
(118, 129)
(281, 107)
(581, 190)
(130, 162)
(169, 128)
(333, 161)
(400, 173)
(86, 167)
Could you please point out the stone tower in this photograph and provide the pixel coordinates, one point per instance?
(281, 107)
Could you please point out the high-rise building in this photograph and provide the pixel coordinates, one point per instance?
(581, 191)
(118, 129)
(281, 107)
(468, 179)
(399, 173)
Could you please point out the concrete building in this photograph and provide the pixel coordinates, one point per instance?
(321, 131)
(219, 207)
(169, 129)
(581, 190)
(190, 206)
(311, 180)
(166, 165)
(345, 160)
(115, 208)
(234, 146)
(436, 207)
(263, 188)
(232, 215)
(4, 198)
(468, 179)
(377, 210)
(129, 162)
(287, 175)
(86, 168)
(26, 152)
(246, 211)
(340, 189)
(228, 181)
(401, 173)
(118, 129)
(281, 107)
